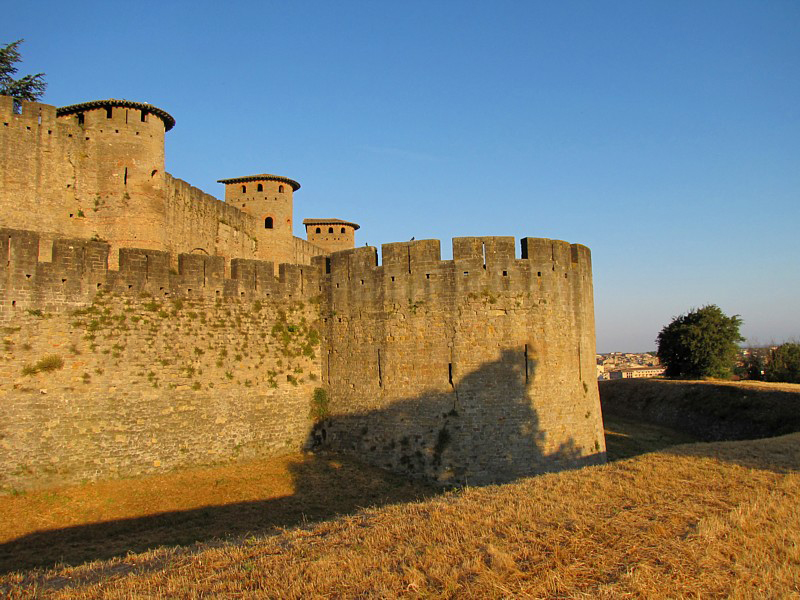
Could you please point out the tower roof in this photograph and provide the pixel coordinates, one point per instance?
(262, 177)
(169, 120)
(330, 222)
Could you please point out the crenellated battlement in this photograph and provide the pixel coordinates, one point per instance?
(25, 114)
(486, 265)
(79, 269)
(487, 253)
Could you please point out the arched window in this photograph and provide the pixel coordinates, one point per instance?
(244, 189)
(260, 187)
(330, 229)
(280, 189)
(268, 223)
(319, 230)
(342, 229)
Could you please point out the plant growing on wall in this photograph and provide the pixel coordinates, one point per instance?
(319, 404)
(48, 363)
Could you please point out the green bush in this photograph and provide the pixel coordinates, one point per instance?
(784, 364)
(701, 343)
(319, 404)
(51, 362)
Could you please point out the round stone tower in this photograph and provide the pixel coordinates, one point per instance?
(116, 152)
(331, 234)
(268, 199)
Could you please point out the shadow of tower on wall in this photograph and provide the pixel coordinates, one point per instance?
(484, 430)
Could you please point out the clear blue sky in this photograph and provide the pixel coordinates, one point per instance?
(663, 135)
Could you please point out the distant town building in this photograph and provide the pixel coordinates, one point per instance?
(636, 373)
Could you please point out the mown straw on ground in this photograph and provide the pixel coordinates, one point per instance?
(699, 520)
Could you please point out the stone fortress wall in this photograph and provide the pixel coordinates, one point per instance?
(472, 370)
(97, 170)
(180, 345)
(159, 368)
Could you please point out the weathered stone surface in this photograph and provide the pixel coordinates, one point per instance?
(475, 370)
(99, 173)
(179, 320)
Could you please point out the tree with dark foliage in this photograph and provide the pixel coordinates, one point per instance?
(784, 363)
(29, 87)
(701, 343)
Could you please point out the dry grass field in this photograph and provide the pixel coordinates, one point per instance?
(697, 520)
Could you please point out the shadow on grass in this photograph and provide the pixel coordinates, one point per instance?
(485, 431)
(777, 454)
(325, 487)
(742, 424)
(626, 437)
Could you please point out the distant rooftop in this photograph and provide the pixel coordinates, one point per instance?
(262, 177)
(169, 120)
(330, 222)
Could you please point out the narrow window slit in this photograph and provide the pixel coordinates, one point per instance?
(328, 367)
(526, 362)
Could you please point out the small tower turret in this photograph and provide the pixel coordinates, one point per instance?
(267, 198)
(331, 234)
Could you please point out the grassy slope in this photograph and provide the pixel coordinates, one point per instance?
(711, 520)
(710, 410)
